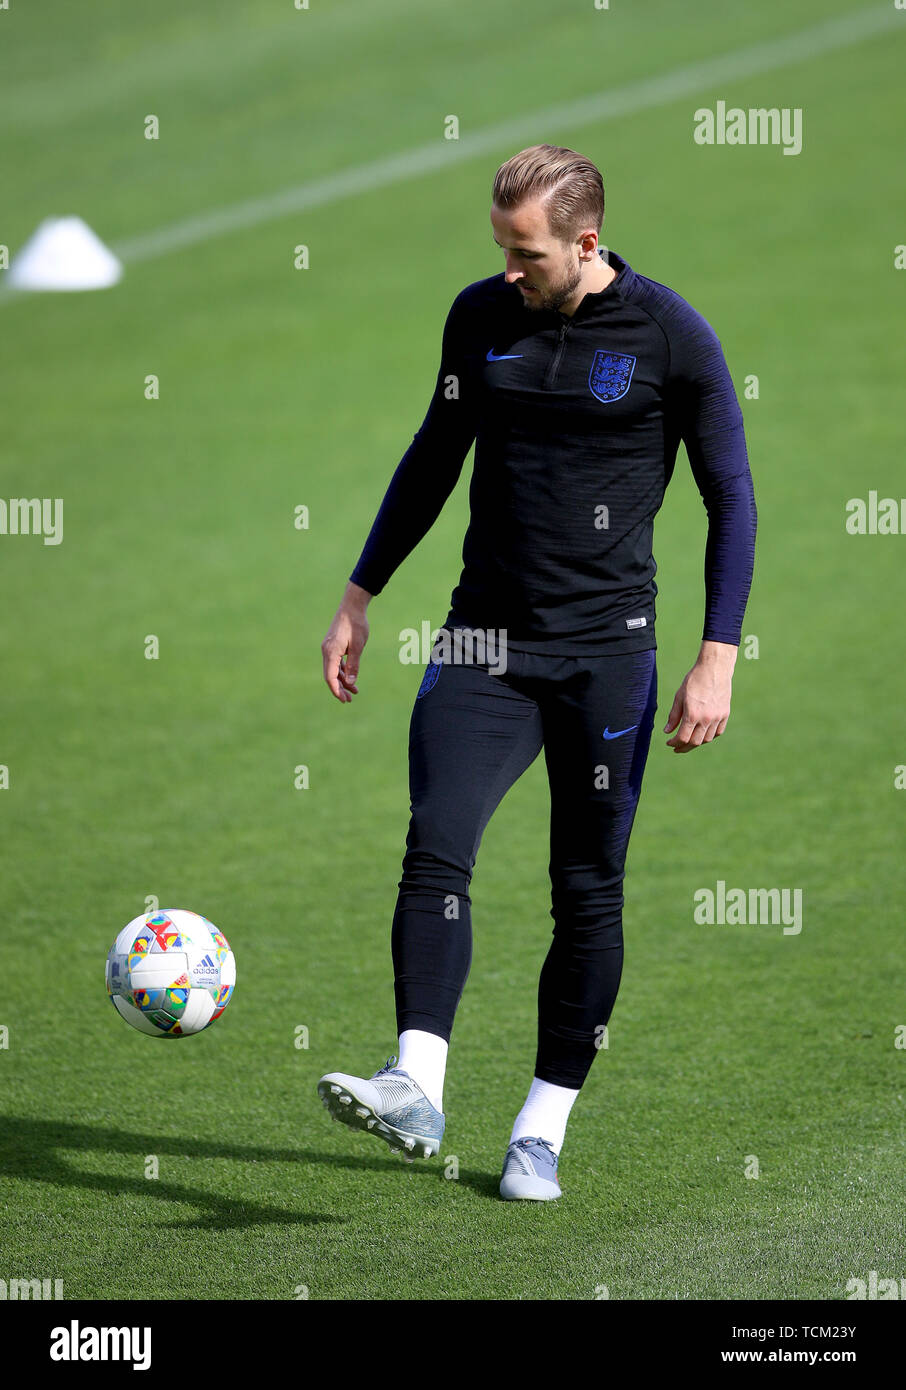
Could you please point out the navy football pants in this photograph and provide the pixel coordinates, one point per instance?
(472, 734)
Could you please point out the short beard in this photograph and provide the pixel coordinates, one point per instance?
(559, 294)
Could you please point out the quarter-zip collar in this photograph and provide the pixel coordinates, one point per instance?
(590, 307)
(597, 301)
(594, 303)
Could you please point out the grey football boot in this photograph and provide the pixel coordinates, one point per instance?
(530, 1171)
(389, 1104)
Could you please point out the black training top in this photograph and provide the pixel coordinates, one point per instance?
(577, 422)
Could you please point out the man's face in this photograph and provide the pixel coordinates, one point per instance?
(546, 272)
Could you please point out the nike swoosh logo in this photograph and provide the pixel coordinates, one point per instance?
(504, 356)
(620, 732)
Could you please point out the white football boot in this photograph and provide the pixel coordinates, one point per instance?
(530, 1171)
(389, 1104)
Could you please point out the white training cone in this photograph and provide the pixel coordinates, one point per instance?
(64, 254)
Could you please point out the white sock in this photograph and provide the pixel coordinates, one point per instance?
(424, 1057)
(545, 1113)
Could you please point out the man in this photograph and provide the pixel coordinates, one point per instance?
(577, 378)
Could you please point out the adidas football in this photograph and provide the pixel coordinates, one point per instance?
(170, 973)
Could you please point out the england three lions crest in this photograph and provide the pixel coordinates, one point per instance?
(610, 375)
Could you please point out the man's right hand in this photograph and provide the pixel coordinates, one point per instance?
(342, 647)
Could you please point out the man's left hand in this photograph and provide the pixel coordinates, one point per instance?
(701, 706)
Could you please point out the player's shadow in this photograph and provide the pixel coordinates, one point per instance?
(37, 1151)
(420, 1170)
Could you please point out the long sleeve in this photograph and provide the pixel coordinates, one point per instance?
(429, 469)
(711, 427)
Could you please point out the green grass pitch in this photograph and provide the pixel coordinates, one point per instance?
(174, 777)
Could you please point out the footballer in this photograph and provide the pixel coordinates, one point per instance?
(577, 377)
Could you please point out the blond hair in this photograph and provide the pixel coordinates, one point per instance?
(569, 185)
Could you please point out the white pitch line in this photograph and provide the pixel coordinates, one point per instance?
(637, 96)
(537, 125)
